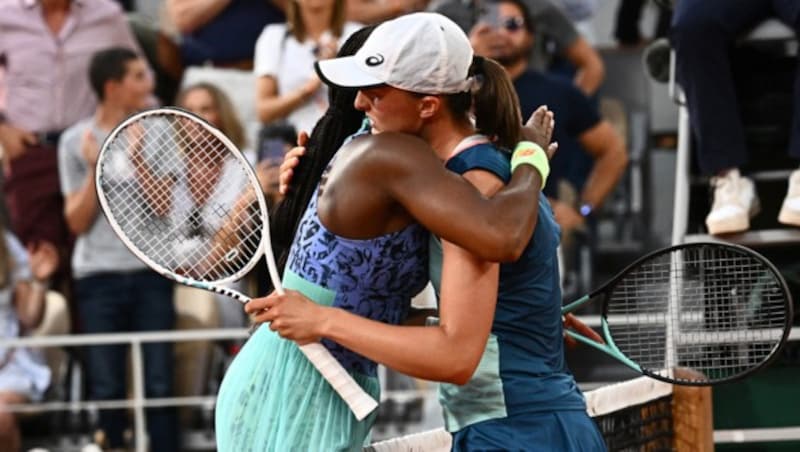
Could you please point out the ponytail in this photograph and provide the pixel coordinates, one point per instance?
(493, 101)
(495, 104)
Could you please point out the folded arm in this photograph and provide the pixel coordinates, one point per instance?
(453, 348)
(496, 229)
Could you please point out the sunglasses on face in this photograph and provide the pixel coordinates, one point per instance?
(512, 24)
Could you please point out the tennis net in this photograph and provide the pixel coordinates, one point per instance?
(636, 415)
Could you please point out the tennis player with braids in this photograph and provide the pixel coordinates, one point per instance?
(358, 247)
(498, 348)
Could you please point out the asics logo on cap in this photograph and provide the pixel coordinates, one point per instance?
(374, 60)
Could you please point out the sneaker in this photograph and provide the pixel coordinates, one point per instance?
(790, 212)
(735, 202)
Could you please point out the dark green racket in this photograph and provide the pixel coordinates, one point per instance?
(720, 309)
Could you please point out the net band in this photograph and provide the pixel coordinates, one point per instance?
(640, 414)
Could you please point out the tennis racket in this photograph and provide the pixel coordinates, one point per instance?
(720, 309)
(186, 202)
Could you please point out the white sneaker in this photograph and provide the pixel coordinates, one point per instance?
(735, 202)
(790, 211)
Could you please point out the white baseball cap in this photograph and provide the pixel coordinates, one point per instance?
(424, 53)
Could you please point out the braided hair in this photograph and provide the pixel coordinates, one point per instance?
(339, 121)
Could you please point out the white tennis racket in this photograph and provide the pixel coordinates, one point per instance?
(186, 202)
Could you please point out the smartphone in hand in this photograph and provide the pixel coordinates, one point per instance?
(274, 140)
(272, 149)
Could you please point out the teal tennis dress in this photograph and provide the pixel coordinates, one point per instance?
(522, 396)
(272, 398)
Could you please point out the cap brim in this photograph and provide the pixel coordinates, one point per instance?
(344, 73)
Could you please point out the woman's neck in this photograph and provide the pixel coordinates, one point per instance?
(444, 138)
(316, 22)
(55, 14)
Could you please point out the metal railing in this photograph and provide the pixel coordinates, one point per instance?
(138, 403)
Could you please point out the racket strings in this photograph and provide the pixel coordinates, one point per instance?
(182, 197)
(718, 310)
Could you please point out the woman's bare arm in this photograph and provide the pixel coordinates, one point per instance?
(590, 69)
(29, 296)
(496, 229)
(453, 348)
(189, 15)
(271, 106)
(607, 148)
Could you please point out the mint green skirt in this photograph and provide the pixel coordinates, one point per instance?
(273, 399)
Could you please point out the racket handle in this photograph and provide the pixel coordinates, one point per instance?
(360, 403)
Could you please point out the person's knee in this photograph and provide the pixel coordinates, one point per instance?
(8, 426)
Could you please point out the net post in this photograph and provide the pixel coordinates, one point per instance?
(692, 414)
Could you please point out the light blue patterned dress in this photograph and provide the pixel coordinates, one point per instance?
(272, 398)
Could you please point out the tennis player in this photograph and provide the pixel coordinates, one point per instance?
(359, 247)
(498, 348)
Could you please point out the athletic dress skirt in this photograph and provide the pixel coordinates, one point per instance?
(272, 398)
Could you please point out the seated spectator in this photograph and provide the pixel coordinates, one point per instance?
(702, 34)
(24, 279)
(552, 28)
(287, 88)
(217, 45)
(114, 290)
(47, 91)
(579, 129)
(210, 103)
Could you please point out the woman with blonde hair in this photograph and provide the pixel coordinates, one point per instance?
(287, 89)
(210, 103)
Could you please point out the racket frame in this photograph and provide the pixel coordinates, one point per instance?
(611, 348)
(253, 180)
(359, 402)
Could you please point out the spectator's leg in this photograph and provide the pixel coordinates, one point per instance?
(103, 302)
(155, 311)
(626, 28)
(662, 25)
(789, 12)
(10, 439)
(702, 32)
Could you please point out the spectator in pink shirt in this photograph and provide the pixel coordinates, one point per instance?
(47, 45)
